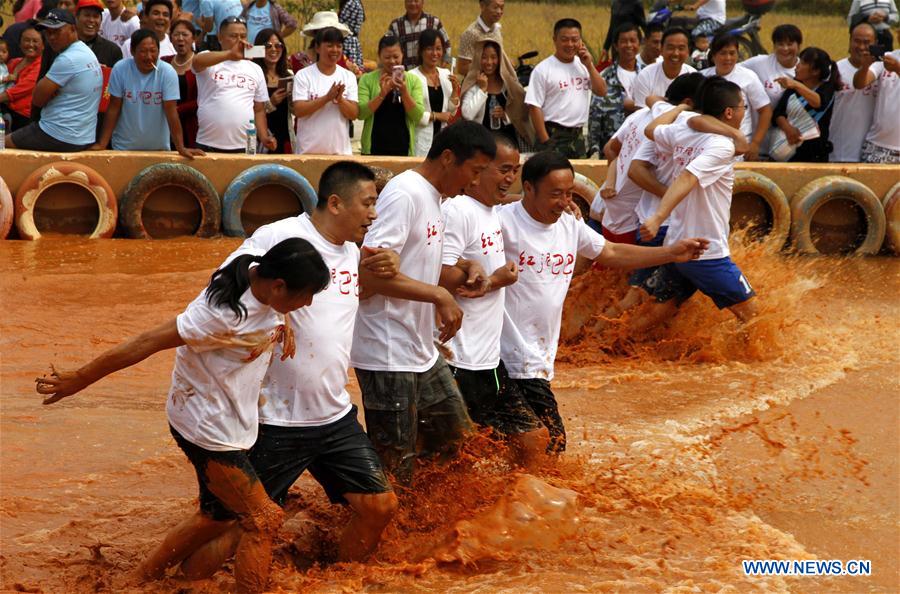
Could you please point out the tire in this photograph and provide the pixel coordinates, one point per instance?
(583, 196)
(236, 222)
(191, 191)
(891, 203)
(382, 177)
(758, 202)
(77, 181)
(6, 210)
(851, 218)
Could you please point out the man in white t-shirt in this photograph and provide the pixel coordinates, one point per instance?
(118, 23)
(544, 241)
(231, 94)
(559, 93)
(656, 78)
(157, 17)
(408, 391)
(853, 108)
(699, 201)
(306, 418)
(325, 100)
(882, 144)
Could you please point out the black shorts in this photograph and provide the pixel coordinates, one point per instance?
(503, 410)
(211, 149)
(210, 505)
(338, 455)
(536, 395)
(32, 138)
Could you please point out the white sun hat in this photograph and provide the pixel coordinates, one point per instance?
(322, 20)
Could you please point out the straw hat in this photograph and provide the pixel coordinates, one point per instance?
(322, 20)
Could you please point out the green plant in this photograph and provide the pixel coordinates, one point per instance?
(305, 9)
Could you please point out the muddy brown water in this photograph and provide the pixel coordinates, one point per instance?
(691, 448)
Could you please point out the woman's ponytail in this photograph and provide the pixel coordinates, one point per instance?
(229, 283)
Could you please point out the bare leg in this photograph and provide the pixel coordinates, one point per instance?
(207, 559)
(530, 449)
(180, 542)
(371, 514)
(745, 311)
(652, 315)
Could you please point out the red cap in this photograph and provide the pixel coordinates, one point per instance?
(89, 4)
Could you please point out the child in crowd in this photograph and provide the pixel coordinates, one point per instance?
(5, 83)
(700, 55)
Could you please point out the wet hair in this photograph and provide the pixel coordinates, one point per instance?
(822, 62)
(540, 165)
(565, 24)
(722, 41)
(464, 139)
(341, 179)
(329, 35)
(715, 95)
(294, 260)
(281, 66)
(787, 33)
(389, 40)
(501, 138)
(427, 39)
(856, 24)
(675, 31)
(684, 87)
(183, 23)
(145, 9)
(140, 35)
(626, 28)
(652, 28)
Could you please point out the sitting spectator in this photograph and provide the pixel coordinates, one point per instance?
(881, 14)
(88, 16)
(656, 78)
(391, 106)
(69, 94)
(813, 88)
(265, 14)
(787, 40)
(610, 110)
(212, 13)
(622, 14)
(492, 81)
(14, 32)
(325, 100)
(118, 23)
(710, 15)
(23, 74)
(320, 21)
(651, 48)
(158, 18)
(142, 115)
(853, 108)
(408, 28)
(485, 28)
(231, 94)
(882, 143)
(183, 37)
(442, 88)
(724, 52)
(352, 14)
(278, 107)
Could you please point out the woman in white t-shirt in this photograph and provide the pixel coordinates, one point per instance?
(787, 40)
(212, 407)
(441, 90)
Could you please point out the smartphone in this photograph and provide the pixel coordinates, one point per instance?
(877, 51)
(399, 74)
(286, 83)
(257, 51)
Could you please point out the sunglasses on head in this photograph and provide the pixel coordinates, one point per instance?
(234, 19)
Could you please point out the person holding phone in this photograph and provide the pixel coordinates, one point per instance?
(275, 66)
(882, 143)
(390, 103)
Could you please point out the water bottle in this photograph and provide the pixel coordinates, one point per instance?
(2, 133)
(251, 139)
(495, 121)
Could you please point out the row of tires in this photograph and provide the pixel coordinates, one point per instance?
(802, 218)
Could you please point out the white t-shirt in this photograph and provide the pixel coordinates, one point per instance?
(396, 334)
(619, 215)
(752, 91)
(324, 131)
(648, 151)
(215, 389)
(767, 69)
(706, 210)
(562, 91)
(533, 305)
(714, 9)
(472, 231)
(627, 78)
(225, 96)
(166, 48)
(652, 80)
(885, 130)
(309, 389)
(852, 114)
(118, 31)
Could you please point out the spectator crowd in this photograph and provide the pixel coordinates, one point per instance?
(199, 76)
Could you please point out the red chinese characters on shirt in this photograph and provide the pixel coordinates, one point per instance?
(434, 232)
(346, 282)
(546, 263)
(575, 83)
(492, 242)
(238, 81)
(144, 97)
(682, 155)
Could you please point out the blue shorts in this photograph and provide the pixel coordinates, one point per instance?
(720, 280)
(640, 275)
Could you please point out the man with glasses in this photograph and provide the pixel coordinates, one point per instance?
(157, 18)
(231, 93)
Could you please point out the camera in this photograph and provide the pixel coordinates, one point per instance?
(877, 51)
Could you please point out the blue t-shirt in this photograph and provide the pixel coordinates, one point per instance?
(257, 20)
(220, 10)
(71, 116)
(142, 124)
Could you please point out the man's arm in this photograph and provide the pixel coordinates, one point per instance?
(623, 255)
(711, 125)
(205, 60)
(537, 120)
(44, 91)
(677, 192)
(663, 120)
(262, 125)
(171, 110)
(109, 123)
(643, 174)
